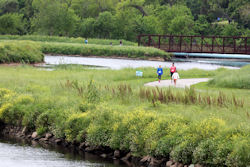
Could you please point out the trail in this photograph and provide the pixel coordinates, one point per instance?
(181, 83)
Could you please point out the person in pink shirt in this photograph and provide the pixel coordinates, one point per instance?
(172, 70)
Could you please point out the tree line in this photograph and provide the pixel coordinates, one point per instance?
(125, 19)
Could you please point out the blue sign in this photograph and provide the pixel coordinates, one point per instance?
(139, 73)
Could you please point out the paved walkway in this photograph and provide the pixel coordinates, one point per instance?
(181, 83)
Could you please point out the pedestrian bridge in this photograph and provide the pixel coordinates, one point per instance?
(197, 44)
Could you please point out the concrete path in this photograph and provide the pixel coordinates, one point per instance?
(181, 83)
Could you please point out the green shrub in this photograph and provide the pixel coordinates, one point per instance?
(207, 141)
(240, 155)
(12, 112)
(20, 52)
(52, 121)
(76, 127)
(128, 131)
(99, 131)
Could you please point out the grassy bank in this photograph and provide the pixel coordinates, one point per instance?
(233, 79)
(102, 50)
(21, 52)
(112, 108)
(85, 50)
(79, 40)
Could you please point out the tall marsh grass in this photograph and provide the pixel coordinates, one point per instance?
(189, 96)
(88, 50)
(102, 50)
(233, 79)
(66, 39)
(20, 52)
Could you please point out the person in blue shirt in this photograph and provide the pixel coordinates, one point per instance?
(86, 41)
(159, 73)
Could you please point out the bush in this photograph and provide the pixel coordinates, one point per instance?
(12, 112)
(12, 23)
(76, 127)
(20, 52)
(207, 141)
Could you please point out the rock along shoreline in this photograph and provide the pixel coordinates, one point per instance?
(104, 152)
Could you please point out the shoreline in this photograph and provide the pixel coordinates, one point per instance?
(22, 133)
(114, 57)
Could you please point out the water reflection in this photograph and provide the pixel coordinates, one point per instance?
(24, 155)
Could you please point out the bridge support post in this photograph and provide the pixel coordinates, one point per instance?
(191, 45)
(246, 45)
(202, 42)
(139, 40)
(180, 42)
(159, 42)
(223, 47)
(234, 44)
(213, 44)
(149, 40)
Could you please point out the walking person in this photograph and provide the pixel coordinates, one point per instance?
(86, 41)
(159, 73)
(175, 76)
(172, 71)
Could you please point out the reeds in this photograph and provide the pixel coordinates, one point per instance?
(189, 96)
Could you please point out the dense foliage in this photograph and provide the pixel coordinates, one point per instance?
(20, 52)
(125, 19)
(106, 108)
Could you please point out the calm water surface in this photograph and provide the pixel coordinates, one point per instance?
(19, 154)
(183, 64)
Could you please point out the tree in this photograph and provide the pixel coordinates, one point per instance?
(230, 30)
(245, 15)
(181, 25)
(172, 17)
(104, 25)
(12, 23)
(8, 6)
(87, 28)
(92, 8)
(202, 26)
(54, 18)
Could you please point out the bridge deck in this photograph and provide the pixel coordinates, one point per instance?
(197, 44)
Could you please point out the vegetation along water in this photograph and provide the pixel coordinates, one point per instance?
(111, 108)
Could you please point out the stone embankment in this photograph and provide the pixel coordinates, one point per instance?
(104, 152)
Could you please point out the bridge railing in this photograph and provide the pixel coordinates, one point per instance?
(197, 44)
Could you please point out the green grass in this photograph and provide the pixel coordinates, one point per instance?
(88, 50)
(233, 79)
(66, 39)
(21, 52)
(102, 50)
(105, 107)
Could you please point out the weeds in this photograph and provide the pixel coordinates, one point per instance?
(20, 52)
(190, 96)
(65, 39)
